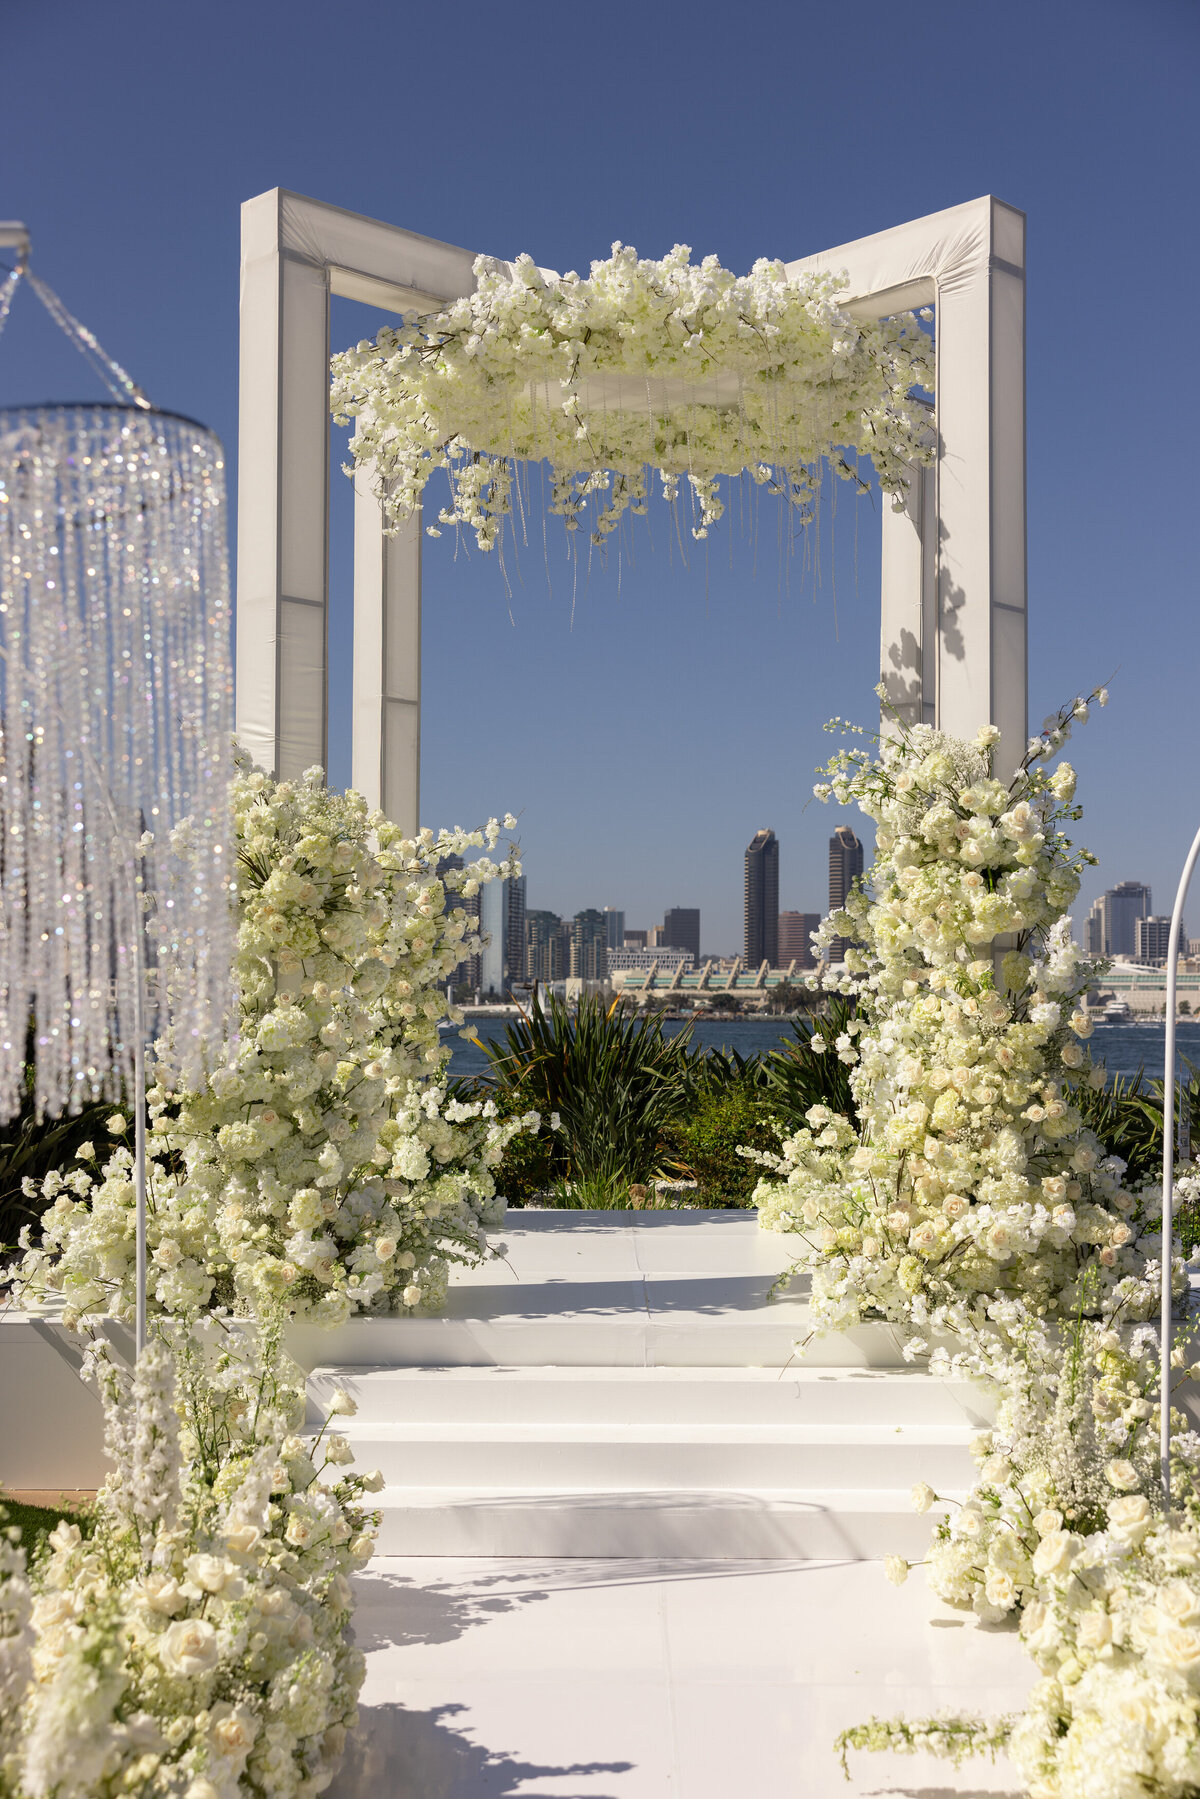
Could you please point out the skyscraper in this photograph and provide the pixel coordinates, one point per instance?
(614, 923)
(589, 948)
(845, 863)
(762, 900)
(795, 935)
(681, 929)
(1152, 941)
(547, 947)
(514, 892)
(1111, 928)
(467, 974)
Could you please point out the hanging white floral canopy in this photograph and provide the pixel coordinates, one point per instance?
(673, 366)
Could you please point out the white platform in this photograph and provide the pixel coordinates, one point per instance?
(621, 1387)
(659, 1680)
(612, 1289)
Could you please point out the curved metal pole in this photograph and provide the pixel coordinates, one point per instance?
(1168, 1180)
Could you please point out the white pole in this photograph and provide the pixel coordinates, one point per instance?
(1168, 1181)
(139, 1110)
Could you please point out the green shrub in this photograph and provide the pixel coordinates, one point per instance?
(797, 1077)
(705, 1145)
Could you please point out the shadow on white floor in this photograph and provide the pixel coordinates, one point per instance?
(613, 1679)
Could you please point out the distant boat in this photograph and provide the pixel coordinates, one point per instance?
(1117, 1011)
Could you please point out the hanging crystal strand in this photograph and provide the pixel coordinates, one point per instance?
(114, 629)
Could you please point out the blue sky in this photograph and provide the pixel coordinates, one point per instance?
(645, 727)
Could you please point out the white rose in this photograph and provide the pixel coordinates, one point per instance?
(1177, 1646)
(1094, 1631)
(1047, 1521)
(1055, 1553)
(412, 1296)
(241, 1536)
(996, 1470)
(896, 1569)
(189, 1648)
(1000, 1589)
(1177, 1601)
(954, 1205)
(1129, 1518)
(161, 1593)
(1122, 1475)
(234, 1731)
(923, 1496)
(341, 1404)
(210, 1572)
(338, 1451)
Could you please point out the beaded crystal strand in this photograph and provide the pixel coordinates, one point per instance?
(116, 722)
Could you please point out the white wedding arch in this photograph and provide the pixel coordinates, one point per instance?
(953, 624)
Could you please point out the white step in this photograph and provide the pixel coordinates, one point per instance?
(640, 1457)
(722, 1525)
(653, 1461)
(674, 1395)
(619, 1386)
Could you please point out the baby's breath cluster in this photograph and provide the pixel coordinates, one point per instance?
(965, 1191)
(668, 365)
(327, 1167)
(194, 1644)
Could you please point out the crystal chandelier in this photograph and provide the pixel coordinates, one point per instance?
(116, 929)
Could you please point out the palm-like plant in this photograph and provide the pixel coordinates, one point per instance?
(615, 1082)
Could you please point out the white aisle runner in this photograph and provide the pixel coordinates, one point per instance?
(623, 1541)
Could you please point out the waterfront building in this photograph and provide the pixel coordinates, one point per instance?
(1151, 941)
(845, 865)
(589, 949)
(665, 957)
(681, 925)
(761, 900)
(795, 938)
(547, 947)
(1111, 928)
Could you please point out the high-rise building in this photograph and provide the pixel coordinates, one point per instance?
(515, 926)
(467, 974)
(795, 938)
(493, 926)
(1152, 940)
(845, 864)
(635, 939)
(547, 947)
(1111, 928)
(589, 946)
(681, 928)
(762, 900)
(614, 927)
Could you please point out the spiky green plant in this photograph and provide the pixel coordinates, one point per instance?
(615, 1082)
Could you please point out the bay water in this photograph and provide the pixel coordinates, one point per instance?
(1123, 1048)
